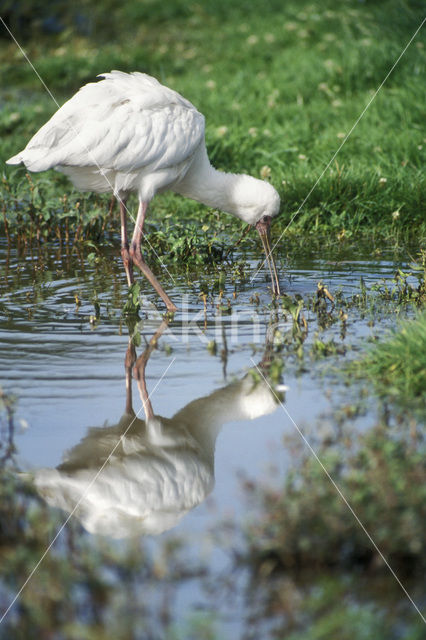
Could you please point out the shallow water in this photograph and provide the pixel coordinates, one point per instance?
(68, 370)
(66, 367)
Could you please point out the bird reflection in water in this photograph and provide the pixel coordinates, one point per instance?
(154, 471)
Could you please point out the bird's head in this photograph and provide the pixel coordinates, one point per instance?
(257, 203)
(253, 199)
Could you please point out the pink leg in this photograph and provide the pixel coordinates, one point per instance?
(128, 365)
(139, 370)
(128, 265)
(136, 256)
(139, 373)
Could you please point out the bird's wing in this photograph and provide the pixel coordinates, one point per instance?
(123, 123)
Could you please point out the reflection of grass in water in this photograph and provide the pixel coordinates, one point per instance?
(308, 557)
(348, 608)
(307, 525)
(75, 589)
(84, 588)
(397, 365)
(279, 90)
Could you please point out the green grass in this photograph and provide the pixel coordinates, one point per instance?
(397, 365)
(279, 88)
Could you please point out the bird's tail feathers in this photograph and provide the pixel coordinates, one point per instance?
(15, 159)
(34, 159)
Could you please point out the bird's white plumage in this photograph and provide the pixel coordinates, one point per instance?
(127, 132)
(158, 470)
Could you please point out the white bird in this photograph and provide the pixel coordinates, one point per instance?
(152, 472)
(130, 133)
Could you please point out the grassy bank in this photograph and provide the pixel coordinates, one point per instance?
(280, 91)
(397, 365)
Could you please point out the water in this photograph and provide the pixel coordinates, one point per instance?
(66, 368)
(68, 373)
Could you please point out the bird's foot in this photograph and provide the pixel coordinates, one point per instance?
(137, 259)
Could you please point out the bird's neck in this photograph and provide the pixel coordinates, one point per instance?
(204, 183)
(240, 400)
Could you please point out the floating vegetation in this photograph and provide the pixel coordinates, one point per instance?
(133, 304)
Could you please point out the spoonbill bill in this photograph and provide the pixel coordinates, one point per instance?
(129, 133)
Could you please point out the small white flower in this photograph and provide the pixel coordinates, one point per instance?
(251, 40)
(252, 132)
(221, 131)
(383, 180)
(290, 26)
(341, 135)
(302, 156)
(189, 54)
(269, 37)
(395, 215)
(211, 84)
(265, 172)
